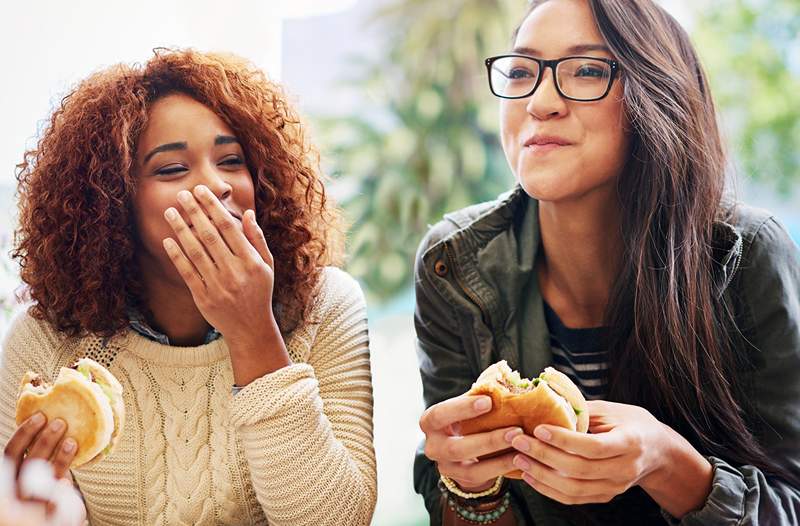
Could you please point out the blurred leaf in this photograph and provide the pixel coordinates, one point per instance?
(751, 51)
(434, 146)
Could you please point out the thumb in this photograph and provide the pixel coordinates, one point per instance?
(256, 237)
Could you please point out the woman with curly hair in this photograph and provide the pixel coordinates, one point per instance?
(174, 227)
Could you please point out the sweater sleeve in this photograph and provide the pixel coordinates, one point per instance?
(26, 347)
(307, 428)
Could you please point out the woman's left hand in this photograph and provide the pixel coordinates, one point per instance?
(626, 445)
(227, 266)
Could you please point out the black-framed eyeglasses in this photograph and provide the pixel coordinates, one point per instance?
(583, 79)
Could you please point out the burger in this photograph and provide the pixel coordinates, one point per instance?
(87, 397)
(551, 398)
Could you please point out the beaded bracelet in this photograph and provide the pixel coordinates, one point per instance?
(455, 490)
(476, 516)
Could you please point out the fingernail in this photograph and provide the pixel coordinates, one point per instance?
(511, 434)
(184, 196)
(171, 213)
(200, 189)
(69, 445)
(521, 463)
(522, 445)
(542, 433)
(37, 419)
(57, 424)
(483, 404)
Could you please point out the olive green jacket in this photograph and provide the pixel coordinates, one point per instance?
(478, 301)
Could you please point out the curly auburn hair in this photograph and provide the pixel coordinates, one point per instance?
(76, 241)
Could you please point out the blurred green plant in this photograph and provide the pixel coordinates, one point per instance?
(433, 146)
(751, 50)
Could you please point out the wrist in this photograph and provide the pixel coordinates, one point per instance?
(682, 481)
(254, 340)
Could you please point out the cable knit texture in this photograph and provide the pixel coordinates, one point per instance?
(294, 447)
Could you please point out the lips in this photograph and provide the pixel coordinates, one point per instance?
(547, 140)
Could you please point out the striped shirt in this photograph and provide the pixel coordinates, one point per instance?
(580, 354)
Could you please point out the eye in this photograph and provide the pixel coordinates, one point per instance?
(232, 160)
(520, 73)
(590, 71)
(171, 169)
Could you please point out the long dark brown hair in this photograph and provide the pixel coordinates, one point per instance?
(673, 340)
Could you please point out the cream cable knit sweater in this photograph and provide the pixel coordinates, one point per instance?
(294, 447)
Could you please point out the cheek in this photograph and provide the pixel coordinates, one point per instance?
(511, 119)
(244, 192)
(149, 208)
(607, 145)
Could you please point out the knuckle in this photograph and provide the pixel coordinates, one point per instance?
(453, 449)
(498, 440)
(208, 237)
(226, 224)
(195, 253)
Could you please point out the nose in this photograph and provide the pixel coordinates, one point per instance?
(545, 102)
(216, 182)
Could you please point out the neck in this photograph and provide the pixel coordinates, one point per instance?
(173, 311)
(582, 247)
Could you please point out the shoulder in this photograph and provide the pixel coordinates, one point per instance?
(338, 287)
(765, 240)
(497, 210)
(25, 327)
(338, 313)
(32, 342)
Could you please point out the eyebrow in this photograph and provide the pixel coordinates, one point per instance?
(225, 139)
(173, 146)
(573, 50)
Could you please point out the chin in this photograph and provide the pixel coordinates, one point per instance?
(547, 185)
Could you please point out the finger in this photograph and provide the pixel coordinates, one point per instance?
(601, 445)
(192, 247)
(256, 237)
(184, 267)
(462, 448)
(205, 229)
(477, 473)
(23, 437)
(64, 456)
(553, 493)
(48, 439)
(564, 462)
(563, 483)
(446, 413)
(224, 222)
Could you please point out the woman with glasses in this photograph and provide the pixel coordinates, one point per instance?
(174, 227)
(619, 260)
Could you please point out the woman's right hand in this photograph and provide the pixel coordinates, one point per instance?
(36, 442)
(456, 456)
(36, 439)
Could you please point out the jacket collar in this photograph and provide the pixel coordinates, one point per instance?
(512, 224)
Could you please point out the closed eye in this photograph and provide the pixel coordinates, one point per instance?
(171, 169)
(233, 160)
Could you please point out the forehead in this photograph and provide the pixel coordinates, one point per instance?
(179, 118)
(557, 25)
